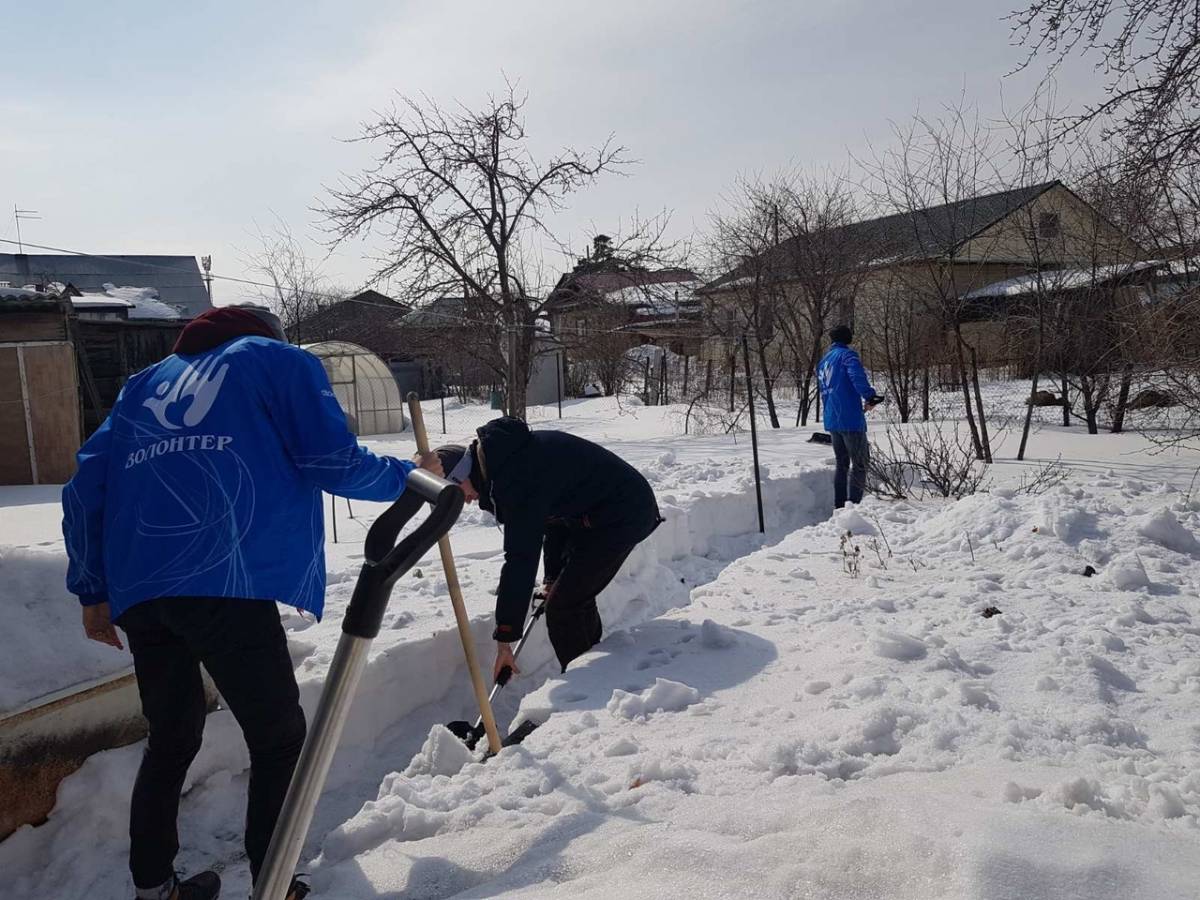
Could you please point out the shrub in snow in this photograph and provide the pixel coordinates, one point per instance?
(927, 459)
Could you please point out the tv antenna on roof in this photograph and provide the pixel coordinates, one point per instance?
(18, 215)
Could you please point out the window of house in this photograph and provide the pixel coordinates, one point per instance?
(1048, 225)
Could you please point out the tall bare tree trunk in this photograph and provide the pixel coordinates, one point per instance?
(768, 387)
(1028, 415)
(983, 429)
(925, 393)
(961, 359)
(1118, 421)
(1066, 402)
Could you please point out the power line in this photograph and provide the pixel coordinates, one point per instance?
(446, 317)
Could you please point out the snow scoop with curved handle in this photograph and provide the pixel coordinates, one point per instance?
(470, 734)
(385, 562)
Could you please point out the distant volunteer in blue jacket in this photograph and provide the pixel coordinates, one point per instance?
(847, 396)
(195, 509)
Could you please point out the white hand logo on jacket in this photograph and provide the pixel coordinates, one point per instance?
(197, 382)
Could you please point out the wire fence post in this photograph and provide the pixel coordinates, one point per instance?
(686, 360)
(558, 367)
(443, 399)
(663, 397)
(762, 528)
(708, 367)
(646, 384)
(333, 515)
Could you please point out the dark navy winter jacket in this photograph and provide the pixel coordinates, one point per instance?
(206, 481)
(844, 387)
(536, 477)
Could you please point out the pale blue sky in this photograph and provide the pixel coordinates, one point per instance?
(139, 127)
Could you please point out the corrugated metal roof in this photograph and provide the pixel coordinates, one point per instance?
(14, 300)
(177, 278)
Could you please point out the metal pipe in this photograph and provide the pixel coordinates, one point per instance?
(301, 802)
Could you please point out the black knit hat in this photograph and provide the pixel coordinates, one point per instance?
(841, 334)
(452, 455)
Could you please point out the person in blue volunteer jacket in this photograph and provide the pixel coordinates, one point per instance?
(847, 396)
(195, 509)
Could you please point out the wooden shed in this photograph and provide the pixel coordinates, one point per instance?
(39, 389)
(111, 351)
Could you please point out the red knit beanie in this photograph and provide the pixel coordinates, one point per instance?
(217, 326)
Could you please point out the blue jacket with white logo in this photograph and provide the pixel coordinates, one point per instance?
(206, 481)
(844, 387)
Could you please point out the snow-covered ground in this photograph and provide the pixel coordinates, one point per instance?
(777, 725)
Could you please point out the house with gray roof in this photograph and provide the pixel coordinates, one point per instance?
(177, 279)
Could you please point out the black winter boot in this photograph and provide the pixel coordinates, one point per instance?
(205, 886)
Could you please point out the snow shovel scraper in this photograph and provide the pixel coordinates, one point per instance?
(385, 562)
(470, 734)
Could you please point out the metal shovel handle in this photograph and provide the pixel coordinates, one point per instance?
(386, 561)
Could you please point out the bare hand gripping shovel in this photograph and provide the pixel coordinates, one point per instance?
(385, 562)
(470, 734)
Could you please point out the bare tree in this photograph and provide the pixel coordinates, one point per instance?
(461, 199)
(1150, 52)
(298, 289)
(824, 262)
(930, 181)
(745, 301)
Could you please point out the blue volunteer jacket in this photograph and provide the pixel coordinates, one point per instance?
(206, 481)
(844, 387)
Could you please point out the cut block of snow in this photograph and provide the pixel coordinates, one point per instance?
(1126, 573)
(1110, 675)
(1015, 793)
(817, 687)
(621, 747)
(851, 520)
(1163, 528)
(664, 696)
(894, 645)
(716, 637)
(972, 693)
(442, 754)
(1046, 683)
(673, 774)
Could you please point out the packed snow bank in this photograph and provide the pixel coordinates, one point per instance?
(850, 737)
(414, 677)
(45, 648)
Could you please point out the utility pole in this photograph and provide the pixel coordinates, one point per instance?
(18, 215)
(206, 263)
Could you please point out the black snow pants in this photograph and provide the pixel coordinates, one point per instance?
(579, 564)
(243, 646)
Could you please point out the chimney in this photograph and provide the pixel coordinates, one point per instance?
(601, 246)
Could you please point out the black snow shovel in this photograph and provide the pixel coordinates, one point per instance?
(470, 734)
(385, 562)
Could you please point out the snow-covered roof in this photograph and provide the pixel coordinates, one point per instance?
(142, 302)
(663, 299)
(1059, 280)
(97, 301)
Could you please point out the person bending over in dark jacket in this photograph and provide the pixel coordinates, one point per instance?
(195, 508)
(848, 396)
(579, 505)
